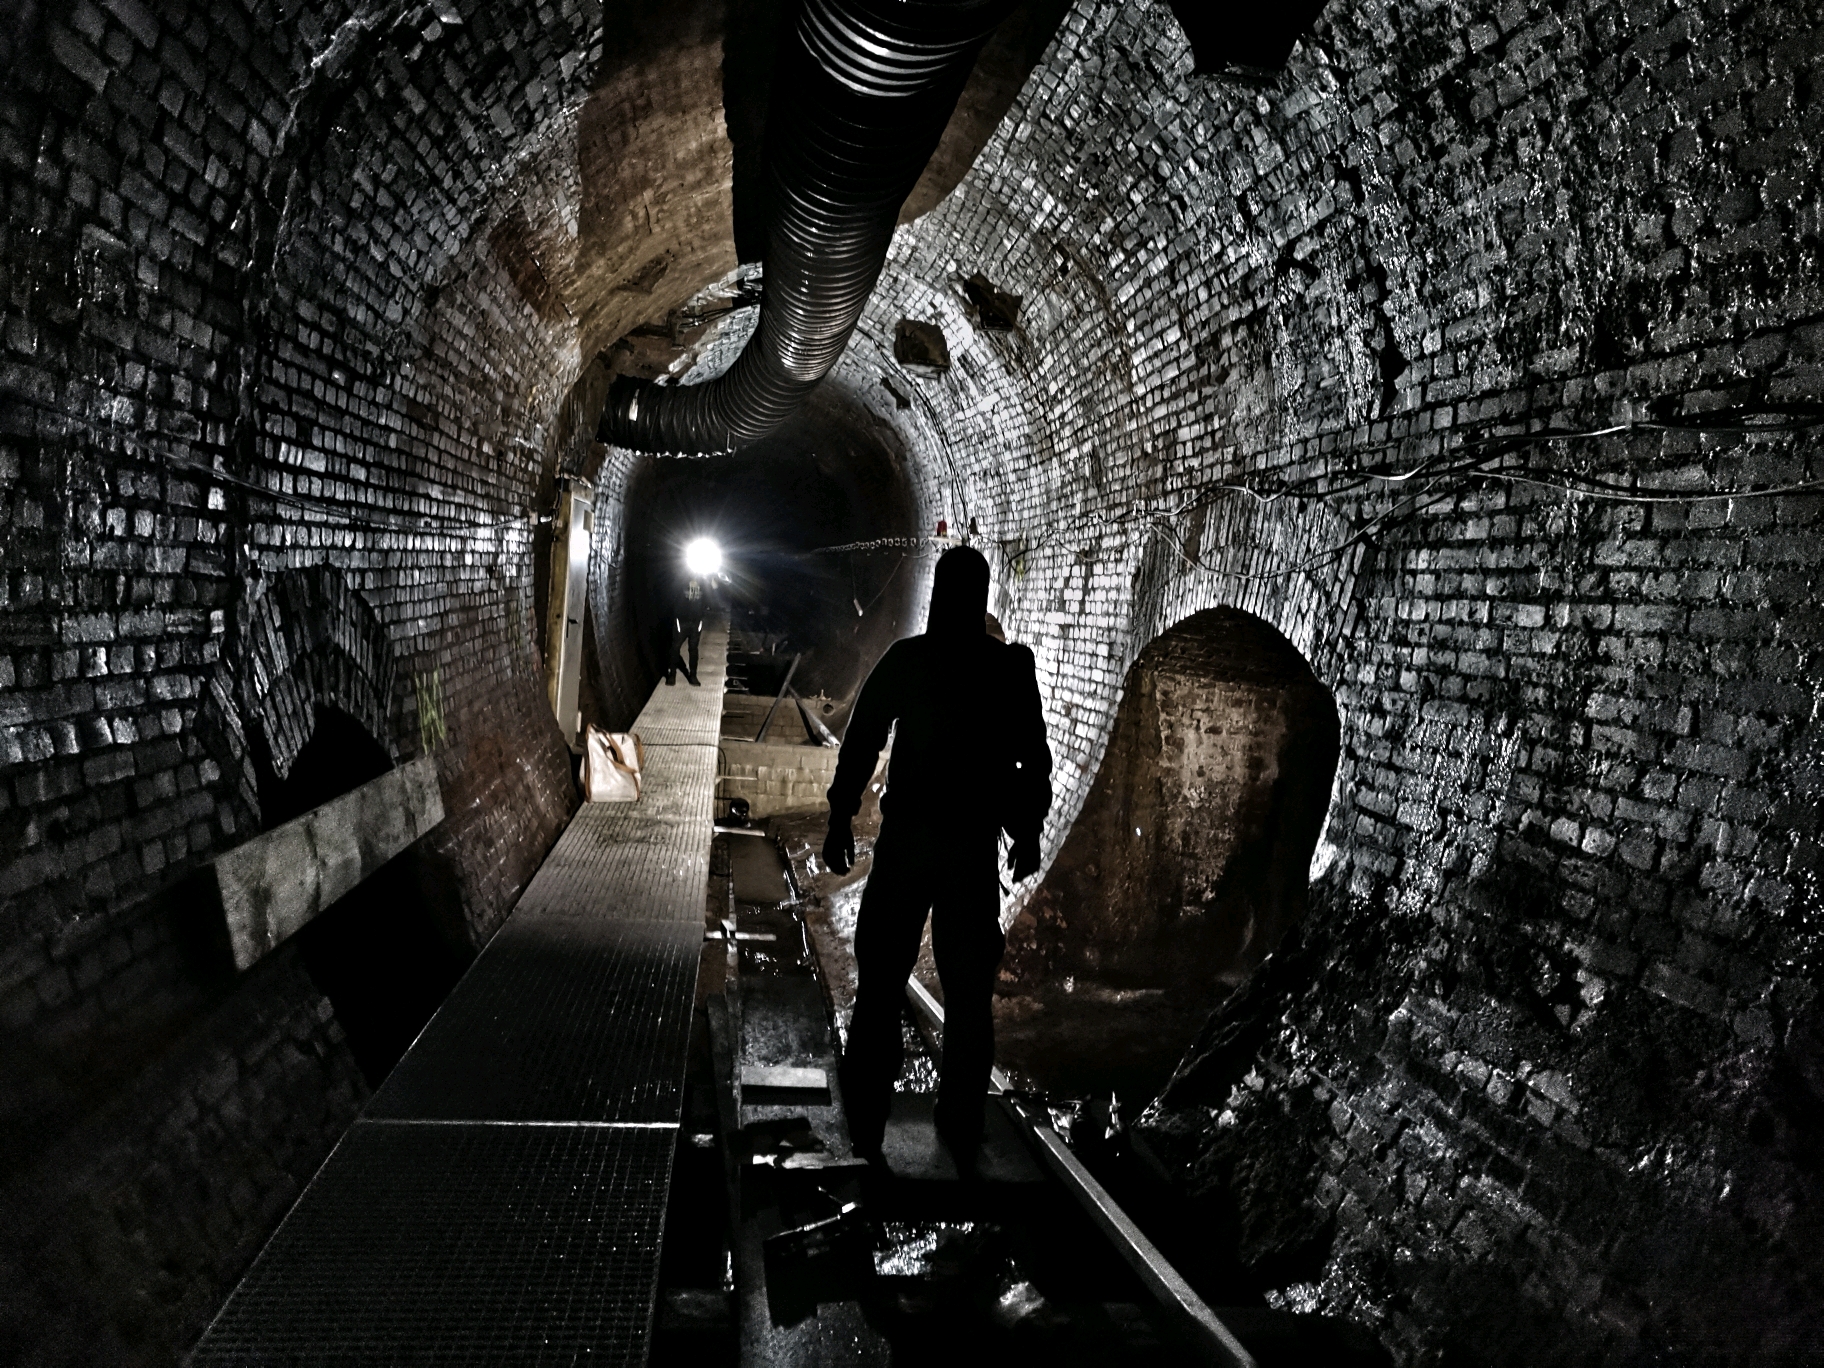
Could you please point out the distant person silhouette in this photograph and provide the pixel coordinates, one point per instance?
(969, 761)
(686, 629)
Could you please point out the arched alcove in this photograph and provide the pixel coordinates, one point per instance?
(1188, 862)
(389, 951)
(308, 641)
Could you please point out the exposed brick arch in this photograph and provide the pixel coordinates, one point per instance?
(313, 639)
(1187, 863)
(292, 285)
(308, 641)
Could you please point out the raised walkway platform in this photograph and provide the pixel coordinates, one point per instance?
(502, 1197)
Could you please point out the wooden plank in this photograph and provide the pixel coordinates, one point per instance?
(275, 884)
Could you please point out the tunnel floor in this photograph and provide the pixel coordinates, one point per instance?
(830, 1260)
(621, 1139)
(1004, 1261)
(1074, 1037)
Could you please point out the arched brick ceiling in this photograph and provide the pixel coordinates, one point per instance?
(310, 286)
(657, 168)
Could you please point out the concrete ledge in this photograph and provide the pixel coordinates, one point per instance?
(277, 882)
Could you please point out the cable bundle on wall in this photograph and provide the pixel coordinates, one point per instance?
(863, 91)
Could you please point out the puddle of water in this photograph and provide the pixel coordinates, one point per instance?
(772, 939)
(758, 870)
(918, 1074)
(906, 1249)
(844, 906)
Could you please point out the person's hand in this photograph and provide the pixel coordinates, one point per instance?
(839, 847)
(1023, 859)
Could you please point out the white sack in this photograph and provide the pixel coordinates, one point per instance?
(605, 779)
(628, 753)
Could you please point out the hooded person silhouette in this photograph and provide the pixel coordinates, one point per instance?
(970, 760)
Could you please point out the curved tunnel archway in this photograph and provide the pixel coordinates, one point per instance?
(1186, 865)
(306, 287)
(832, 476)
(835, 475)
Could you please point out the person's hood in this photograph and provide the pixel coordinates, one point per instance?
(959, 594)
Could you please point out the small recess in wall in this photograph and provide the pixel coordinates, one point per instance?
(920, 344)
(1249, 46)
(995, 309)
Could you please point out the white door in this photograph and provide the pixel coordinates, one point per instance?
(571, 534)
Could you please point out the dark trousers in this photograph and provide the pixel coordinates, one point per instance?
(953, 876)
(682, 634)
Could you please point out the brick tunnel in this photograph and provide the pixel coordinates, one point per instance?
(1393, 432)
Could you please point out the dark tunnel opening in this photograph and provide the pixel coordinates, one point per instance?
(830, 477)
(1188, 863)
(387, 953)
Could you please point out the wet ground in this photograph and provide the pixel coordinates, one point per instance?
(1080, 1038)
(782, 1251)
(779, 1268)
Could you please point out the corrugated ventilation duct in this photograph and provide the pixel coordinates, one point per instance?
(861, 96)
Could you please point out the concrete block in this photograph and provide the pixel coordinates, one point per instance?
(775, 778)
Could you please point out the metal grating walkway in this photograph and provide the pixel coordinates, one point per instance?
(502, 1197)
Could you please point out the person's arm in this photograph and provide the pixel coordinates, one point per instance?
(1032, 752)
(862, 740)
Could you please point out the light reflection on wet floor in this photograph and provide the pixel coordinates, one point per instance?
(906, 1248)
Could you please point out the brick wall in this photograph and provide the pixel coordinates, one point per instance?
(1536, 1082)
(273, 306)
(118, 1241)
(775, 778)
(304, 287)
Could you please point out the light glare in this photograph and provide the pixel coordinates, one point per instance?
(702, 557)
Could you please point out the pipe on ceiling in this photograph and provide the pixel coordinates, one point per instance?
(861, 95)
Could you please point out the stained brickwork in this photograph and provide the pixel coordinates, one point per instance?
(1189, 858)
(298, 289)
(268, 320)
(1534, 1084)
(120, 1241)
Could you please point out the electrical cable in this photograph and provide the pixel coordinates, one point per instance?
(1430, 473)
(884, 543)
(1787, 419)
(887, 584)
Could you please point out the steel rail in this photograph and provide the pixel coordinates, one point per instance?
(1180, 1300)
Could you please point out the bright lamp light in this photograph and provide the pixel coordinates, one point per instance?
(702, 557)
